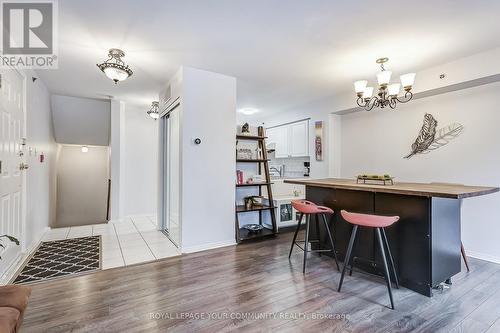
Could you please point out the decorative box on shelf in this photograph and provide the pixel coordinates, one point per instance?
(383, 179)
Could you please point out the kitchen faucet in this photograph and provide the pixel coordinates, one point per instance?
(280, 170)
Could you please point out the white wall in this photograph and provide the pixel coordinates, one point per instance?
(117, 147)
(82, 185)
(134, 166)
(208, 169)
(208, 194)
(140, 164)
(40, 177)
(318, 111)
(375, 142)
(81, 121)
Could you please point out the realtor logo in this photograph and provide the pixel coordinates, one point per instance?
(29, 34)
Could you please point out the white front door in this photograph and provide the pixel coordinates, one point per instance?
(11, 176)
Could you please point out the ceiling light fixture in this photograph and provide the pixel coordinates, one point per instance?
(153, 112)
(114, 67)
(85, 149)
(387, 93)
(248, 111)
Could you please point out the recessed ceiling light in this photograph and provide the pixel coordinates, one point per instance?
(85, 149)
(114, 67)
(248, 111)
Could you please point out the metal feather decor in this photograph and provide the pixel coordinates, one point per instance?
(431, 139)
(425, 137)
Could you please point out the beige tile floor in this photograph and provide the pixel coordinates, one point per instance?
(124, 242)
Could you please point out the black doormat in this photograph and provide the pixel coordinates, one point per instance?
(60, 258)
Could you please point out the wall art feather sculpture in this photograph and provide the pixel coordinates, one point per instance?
(430, 138)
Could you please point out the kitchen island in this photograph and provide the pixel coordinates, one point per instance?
(425, 242)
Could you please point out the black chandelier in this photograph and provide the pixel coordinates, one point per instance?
(114, 67)
(387, 95)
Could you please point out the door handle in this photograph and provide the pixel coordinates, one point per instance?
(23, 166)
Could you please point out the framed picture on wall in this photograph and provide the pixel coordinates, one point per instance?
(318, 140)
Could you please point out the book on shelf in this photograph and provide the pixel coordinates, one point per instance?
(239, 177)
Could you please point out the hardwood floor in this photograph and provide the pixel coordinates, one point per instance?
(257, 278)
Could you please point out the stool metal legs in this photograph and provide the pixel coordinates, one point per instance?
(306, 240)
(386, 269)
(331, 241)
(391, 261)
(383, 245)
(462, 249)
(295, 235)
(348, 254)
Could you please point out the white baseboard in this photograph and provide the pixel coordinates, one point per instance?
(207, 246)
(19, 261)
(130, 217)
(483, 256)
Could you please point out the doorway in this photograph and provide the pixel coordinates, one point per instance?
(82, 185)
(12, 158)
(170, 173)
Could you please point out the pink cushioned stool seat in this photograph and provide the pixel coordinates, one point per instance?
(308, 207)
(366, 220)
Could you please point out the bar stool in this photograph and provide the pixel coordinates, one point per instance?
(308, 209)
(379, 223)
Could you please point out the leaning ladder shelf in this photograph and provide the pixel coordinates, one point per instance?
(243, 234)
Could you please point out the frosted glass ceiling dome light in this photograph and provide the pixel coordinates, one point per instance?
(153, 112)
(114, 67)
(248, 111)
(387, 95)
(85, 149)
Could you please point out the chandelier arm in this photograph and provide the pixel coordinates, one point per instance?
(359, 102)
(392, 103)
(119, 61)
(371, 103)
(407, 97)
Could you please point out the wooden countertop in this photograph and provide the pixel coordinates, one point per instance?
(442, 190)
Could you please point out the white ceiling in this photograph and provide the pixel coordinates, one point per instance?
(284, 53)
(81, 121)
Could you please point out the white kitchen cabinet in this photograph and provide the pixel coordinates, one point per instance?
(299, 139)
(291, 140)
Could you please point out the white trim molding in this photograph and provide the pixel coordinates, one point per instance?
(208, 246)
(483, 256)
(21, 258)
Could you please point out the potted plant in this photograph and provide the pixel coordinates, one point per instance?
(12, 239)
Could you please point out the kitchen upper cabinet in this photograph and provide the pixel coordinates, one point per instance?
(290, 140)
(279, 136)
(299, 135)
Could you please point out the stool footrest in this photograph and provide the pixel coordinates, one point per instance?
(310, 241)
(320, 250)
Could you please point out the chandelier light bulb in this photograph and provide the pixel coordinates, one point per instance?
(383, 78)
(407, 80)
(359, 86)
(368, 93)
(393, 89)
